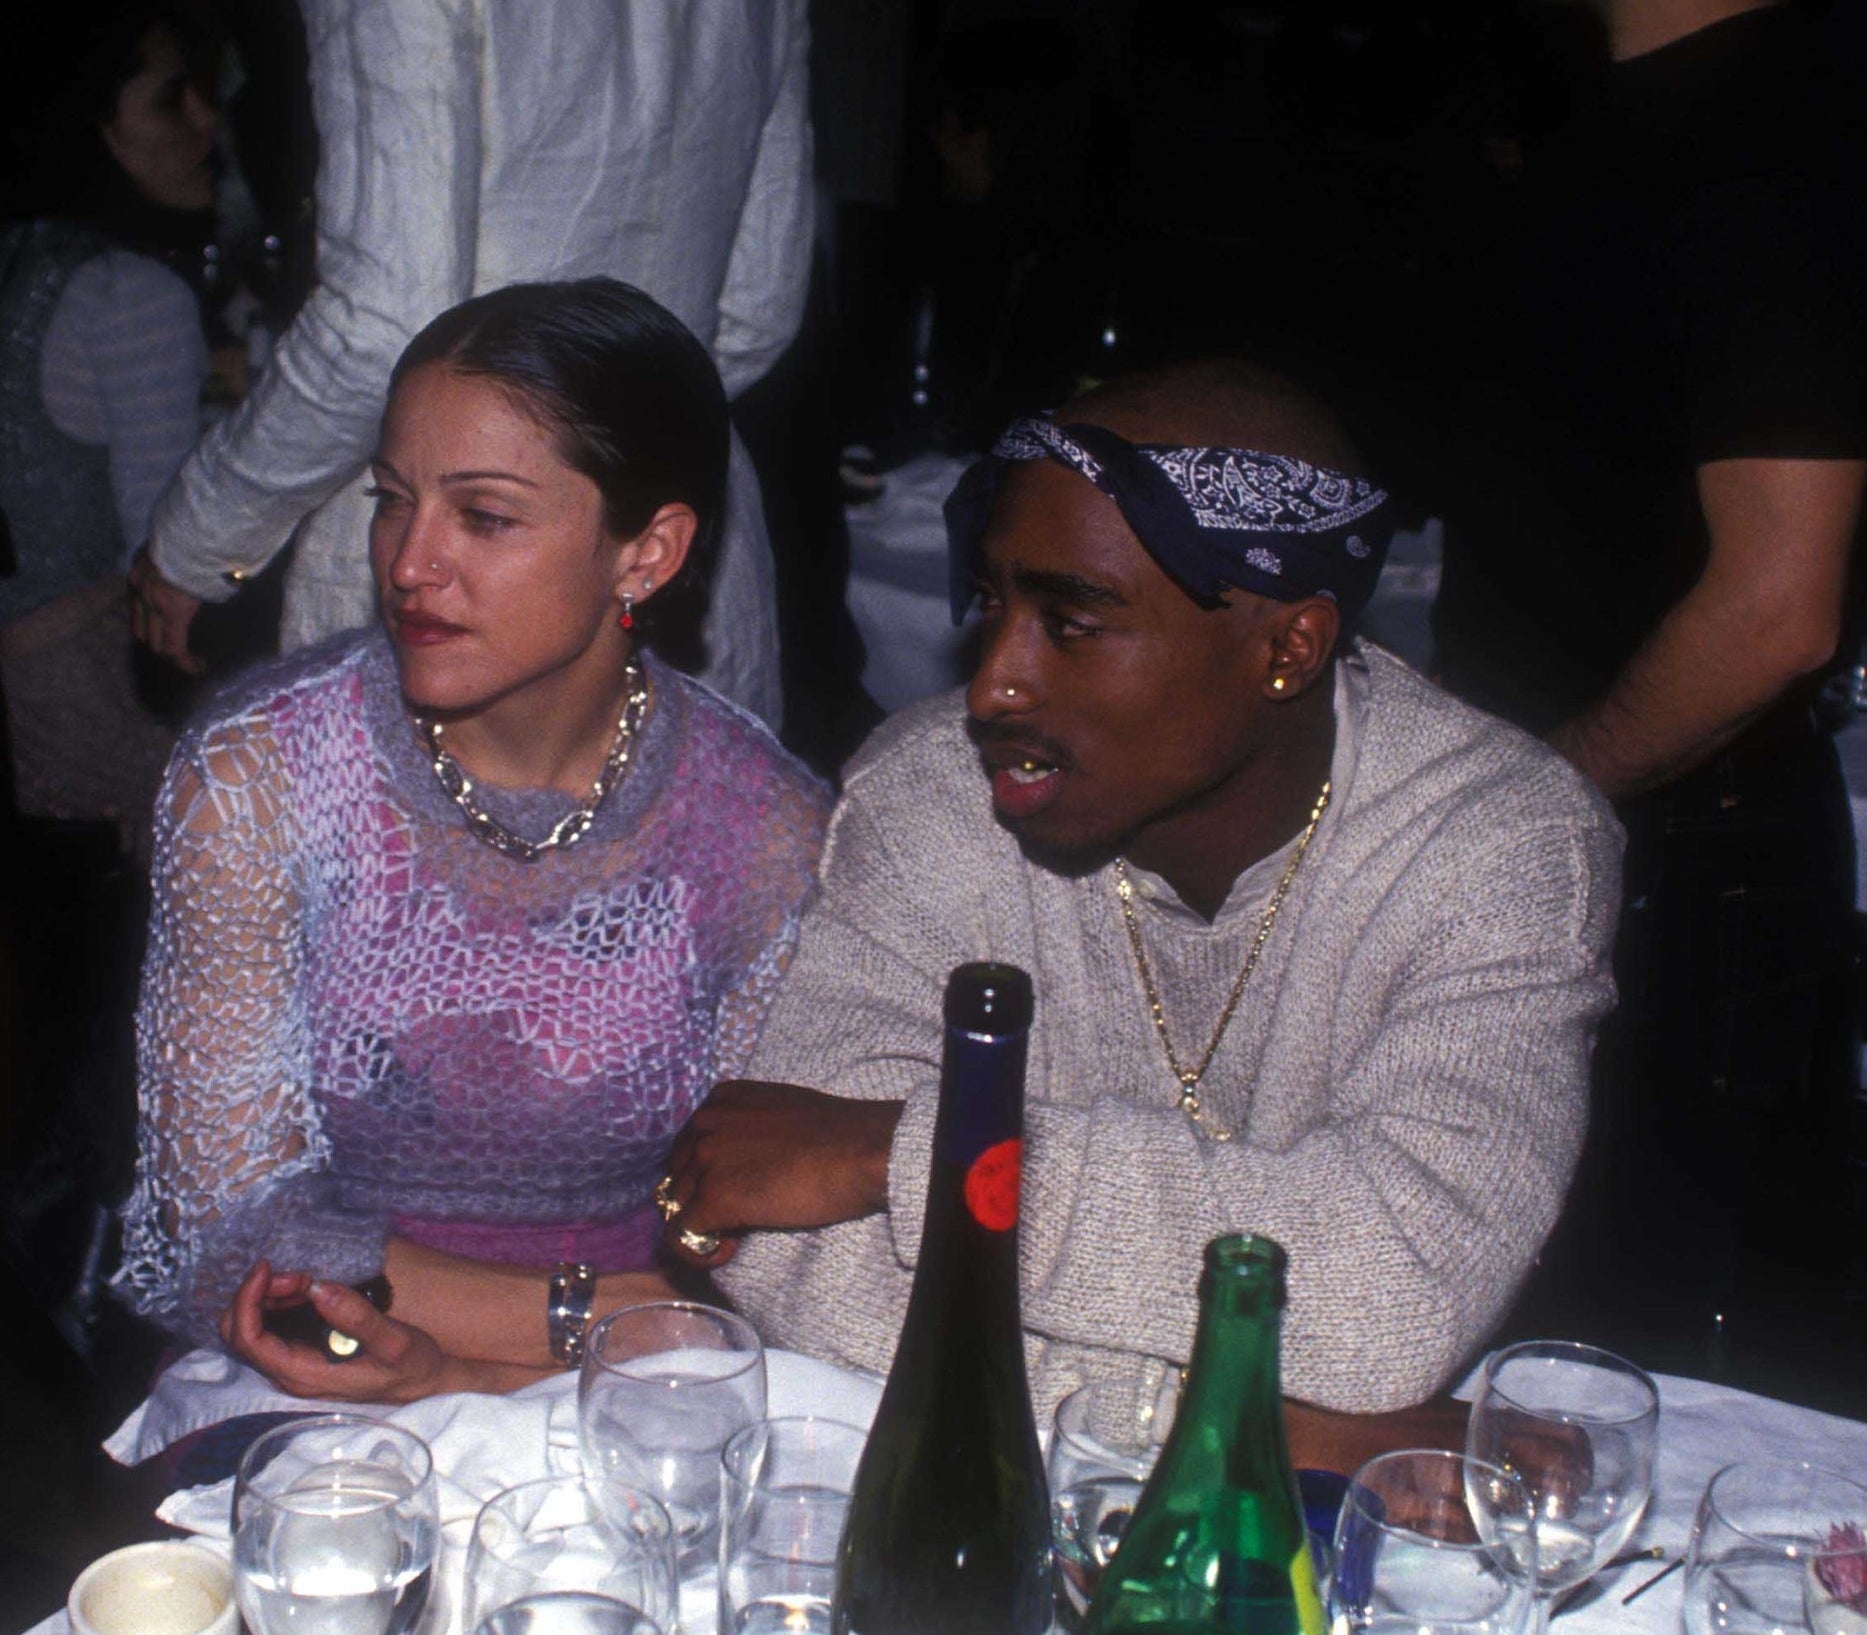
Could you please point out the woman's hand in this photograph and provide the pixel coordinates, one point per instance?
(394, 1362)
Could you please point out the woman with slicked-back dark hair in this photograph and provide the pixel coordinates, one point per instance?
(455, 921)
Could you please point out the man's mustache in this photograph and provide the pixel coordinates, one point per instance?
(1008, 735)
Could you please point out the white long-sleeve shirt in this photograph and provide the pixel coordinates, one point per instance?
(469, 144)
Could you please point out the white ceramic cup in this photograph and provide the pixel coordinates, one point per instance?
(167, 1588)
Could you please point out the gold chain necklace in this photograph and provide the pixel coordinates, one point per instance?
(570, 828)
(1189, 1077)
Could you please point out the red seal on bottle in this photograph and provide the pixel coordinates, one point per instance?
(992, 1186)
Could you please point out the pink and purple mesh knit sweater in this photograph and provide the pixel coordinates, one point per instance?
(358, 1019)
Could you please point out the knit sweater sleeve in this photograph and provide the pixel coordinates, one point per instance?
(231, 1152)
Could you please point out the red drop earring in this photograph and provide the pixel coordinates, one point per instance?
(626, 619)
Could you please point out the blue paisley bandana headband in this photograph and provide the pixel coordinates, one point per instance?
(1213, 518)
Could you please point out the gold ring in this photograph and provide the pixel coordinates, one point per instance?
(665, 1201)
(698, 1243)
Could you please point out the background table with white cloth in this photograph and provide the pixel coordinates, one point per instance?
(482, 1444)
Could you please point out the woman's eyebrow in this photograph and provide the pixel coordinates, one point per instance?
(487, 476)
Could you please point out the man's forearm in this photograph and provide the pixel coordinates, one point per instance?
(1765, 612)
(1674, 706)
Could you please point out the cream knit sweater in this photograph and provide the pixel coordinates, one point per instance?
(1406, 1073)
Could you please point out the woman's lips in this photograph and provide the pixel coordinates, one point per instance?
(423, 630)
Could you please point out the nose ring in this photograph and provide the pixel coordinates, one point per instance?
(1009, 692)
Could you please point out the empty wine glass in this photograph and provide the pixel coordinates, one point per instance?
(567, 1612)
(1103, 1443)
(663, 1388)
(1434, 1543)
(1778, 1548)
(1580, 1426)
(335, 1528)
(571, 1535)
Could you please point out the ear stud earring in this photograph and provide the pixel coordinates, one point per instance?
(1278, 684)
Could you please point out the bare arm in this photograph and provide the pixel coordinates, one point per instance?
(456, 1325)
(1765, 613)
(493, 1313)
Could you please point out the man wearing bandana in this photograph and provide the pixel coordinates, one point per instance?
(1318, 951)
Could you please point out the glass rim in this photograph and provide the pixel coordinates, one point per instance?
(1799, 1470)
(1093, 1447)
(592, 1350)
(1438, 1456)
(734, 1446)
(1246, 1252)
(587, 1484)
(1573, 1351)
(248, 1468)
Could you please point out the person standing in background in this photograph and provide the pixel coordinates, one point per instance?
(102, 361)
(1653, 569)
(465, 149)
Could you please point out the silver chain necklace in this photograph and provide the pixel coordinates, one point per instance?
(573, 826)
(1189, 1077)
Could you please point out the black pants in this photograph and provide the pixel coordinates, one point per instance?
(1718, 1158)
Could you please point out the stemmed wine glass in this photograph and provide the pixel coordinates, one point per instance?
(1778, 1547)
(1434, 1543)
(1580, 1426)
(335, 1527)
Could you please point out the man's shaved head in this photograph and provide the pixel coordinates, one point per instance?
(1222, 403)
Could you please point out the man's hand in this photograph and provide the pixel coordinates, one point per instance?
(394, 1362)
(776, 1155)
(160, 613)
(1323, 1440)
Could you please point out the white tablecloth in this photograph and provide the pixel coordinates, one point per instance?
(484, 1443)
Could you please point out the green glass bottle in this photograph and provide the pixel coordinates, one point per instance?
(1217, 1544)
(949, 1520)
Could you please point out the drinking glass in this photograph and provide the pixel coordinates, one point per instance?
(575, 1535)
(567, 1612)
(785, 1486)
(1103, 1443)
(1580, 1426)
(335, 1527)
(1778, 1548)
(663, 1388)
(1434, 1543)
